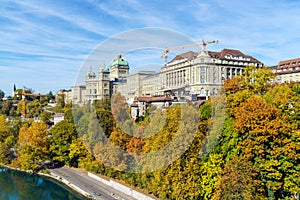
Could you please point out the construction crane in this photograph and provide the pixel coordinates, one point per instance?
(23, 101)
(203, 44)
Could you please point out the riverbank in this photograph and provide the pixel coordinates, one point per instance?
(17, 184)
(80, 183)
(88, 185)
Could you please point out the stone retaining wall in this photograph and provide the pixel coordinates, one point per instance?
(121, 188)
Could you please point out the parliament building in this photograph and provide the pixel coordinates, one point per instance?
(191, 75)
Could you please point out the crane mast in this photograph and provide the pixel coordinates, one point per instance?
(23, 100)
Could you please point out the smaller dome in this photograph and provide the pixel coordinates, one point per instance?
(91, 74)
(104, 68)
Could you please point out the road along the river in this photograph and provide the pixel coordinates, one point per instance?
(89, 185)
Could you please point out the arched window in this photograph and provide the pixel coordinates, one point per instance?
(202, 91)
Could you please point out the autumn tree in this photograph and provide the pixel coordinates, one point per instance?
(121, 113)
(32, 145)
(270, 141)
(256, 79)
(286, 100)
(4, 128)
(238, 181)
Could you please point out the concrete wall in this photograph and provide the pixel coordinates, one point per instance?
(121, 188)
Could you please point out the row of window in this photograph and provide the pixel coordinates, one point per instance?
(95, 91)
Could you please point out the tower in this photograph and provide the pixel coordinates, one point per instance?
(91, 83)
(119, 68)
(14, 90)
(104, 81)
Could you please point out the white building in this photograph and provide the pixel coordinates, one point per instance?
(65, 95)
(202, 74)
(134, 85)
(151, 85)
(58, 117)
(78, 93)
(189, 75)
(97, 86)
(287, 71)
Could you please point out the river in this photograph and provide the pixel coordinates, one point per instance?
(16, 185)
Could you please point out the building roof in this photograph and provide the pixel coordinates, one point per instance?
(58, 114)
(63, 90)
(232, 54)
(120, 61)
(134, 104)
(225, 54)
(143, 73)
(154, 99)
(288, 66)
(187, 55)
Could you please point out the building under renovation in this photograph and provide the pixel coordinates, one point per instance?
(191, 75)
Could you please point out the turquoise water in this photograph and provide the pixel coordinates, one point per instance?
(16, 185)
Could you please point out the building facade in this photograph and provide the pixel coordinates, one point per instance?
(287, 71)
(133, 87)
(78, 94)
(107, 81)
(191, 75)
(202, 74)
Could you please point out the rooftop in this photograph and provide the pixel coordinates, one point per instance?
(287, 66)
(225, 54)
(154, 99)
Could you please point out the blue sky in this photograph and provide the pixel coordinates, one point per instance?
(43, 44)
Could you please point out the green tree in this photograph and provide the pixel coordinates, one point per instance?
(46, 117)
(6, 106)
(104, 115)
(2, 94)
(68, 112)
(210, 172)
(61, 138)
(77, 153)
(49, 96)
(60, 103)
(34, 108)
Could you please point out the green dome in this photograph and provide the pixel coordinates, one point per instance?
(119, 61)
(91, 74)
(104, 69)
